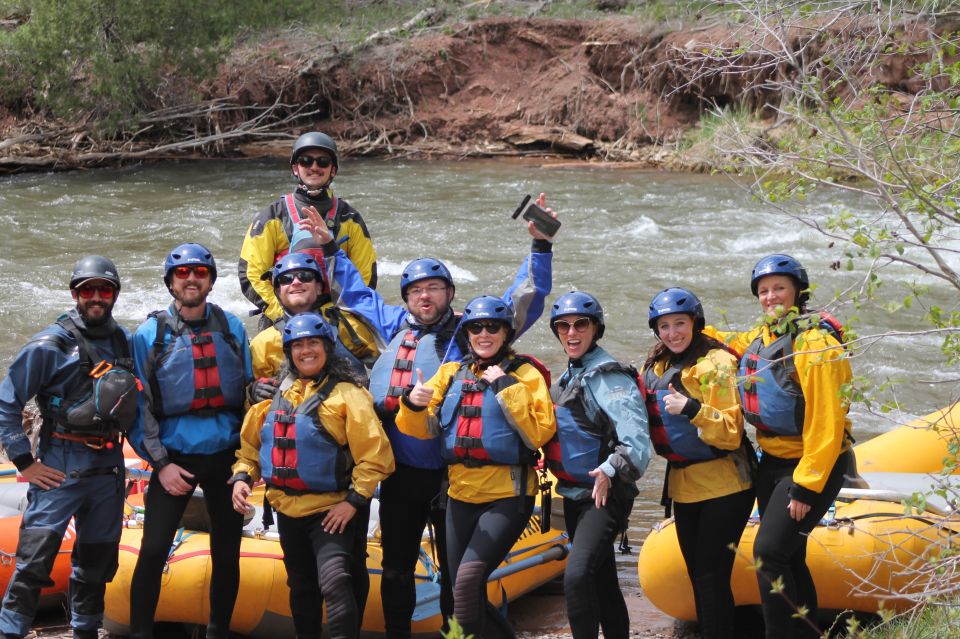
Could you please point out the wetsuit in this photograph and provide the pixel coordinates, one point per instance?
(711, 493)
(808, 467)
(321, 565)
(490, 502)
(412, 496)
(92, 492)
(605, 400)
(202, 440)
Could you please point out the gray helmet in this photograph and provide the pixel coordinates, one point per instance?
(94, 267)
(315, 140)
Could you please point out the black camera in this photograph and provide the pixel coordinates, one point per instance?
(545, 223)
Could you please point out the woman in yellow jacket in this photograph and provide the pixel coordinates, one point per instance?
(690, 387)
(792, 375)
(326, 419)
(492, 411)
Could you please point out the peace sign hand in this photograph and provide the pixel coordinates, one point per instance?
(420, 394)
(314, 223)
(674, 402)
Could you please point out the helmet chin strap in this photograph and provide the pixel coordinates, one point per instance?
(303, 188)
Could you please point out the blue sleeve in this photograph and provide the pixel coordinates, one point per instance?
(31, 371)
(529, 290)
(144, 436)
(354, 295)
(617, 395)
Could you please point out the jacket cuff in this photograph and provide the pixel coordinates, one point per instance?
(24, 461)
(691, 408)
(244, 477)
(330, 248)
(405, 398)
(801, 494)
(541, 246)
(608, 469)
(160, 463)
(356, 500)
(503, 382)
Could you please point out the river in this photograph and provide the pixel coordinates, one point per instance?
(626, 235)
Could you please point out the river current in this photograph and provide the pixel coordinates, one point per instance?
(626, 235)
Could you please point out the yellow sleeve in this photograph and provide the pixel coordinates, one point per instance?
(359, 248)
(738, 341)
(348, 412)
(528, 406)
(423, 424)
(257, 255)
(248, 455)
(713, 382)
(266, 350)
(823, 370)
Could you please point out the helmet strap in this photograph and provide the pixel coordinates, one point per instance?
(315, 193)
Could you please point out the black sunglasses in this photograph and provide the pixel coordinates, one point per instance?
(304, 276)
(307, 161)
(491, 326)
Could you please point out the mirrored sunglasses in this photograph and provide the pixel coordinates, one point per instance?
(87, 290)
(183, 272)
(579, 326)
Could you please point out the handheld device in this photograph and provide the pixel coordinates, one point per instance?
(545, 223)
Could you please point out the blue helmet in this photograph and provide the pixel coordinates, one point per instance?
(781, 264)
(578, 303)
(424, 268)
(487, 307)
(292, 262)
(189, 254)
(307, 325)
(670, 301)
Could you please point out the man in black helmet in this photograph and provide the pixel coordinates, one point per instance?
(77, 470)
(275, 231)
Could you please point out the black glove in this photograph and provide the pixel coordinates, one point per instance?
(262, 389)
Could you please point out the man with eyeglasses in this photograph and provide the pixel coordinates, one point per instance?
(195, 364)
(420, 336)
(77, 470)
(275, 231)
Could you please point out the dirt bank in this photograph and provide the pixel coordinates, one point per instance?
(614, 89)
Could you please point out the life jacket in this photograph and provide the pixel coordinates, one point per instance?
(365, 346)
(771, 397)
(674, 437)
(197, 372)
(104, 402)
(582, 443)
(475, 430)
(290, 432)
(394, 371)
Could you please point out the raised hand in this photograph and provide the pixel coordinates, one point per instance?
(542, 203)
(674, 402)
(314, 223)
(420, 394)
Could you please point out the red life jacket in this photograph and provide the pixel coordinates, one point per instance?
(402, 372)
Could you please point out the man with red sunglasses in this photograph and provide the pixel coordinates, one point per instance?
(314, 163)
(195, 363)
(77, 469)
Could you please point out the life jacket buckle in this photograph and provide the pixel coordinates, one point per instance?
(101, 369)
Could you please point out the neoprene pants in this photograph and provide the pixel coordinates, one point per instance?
(781, 547)
(705, 530)
(590, 583)
(161, 520)
(319, 568)
(409, 498)
(479, 536)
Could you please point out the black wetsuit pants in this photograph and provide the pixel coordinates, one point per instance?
(781, 547)
(479, 536)
(161, 520)
(590, 582)
(705, 530)
(409, 498)
(319, 568)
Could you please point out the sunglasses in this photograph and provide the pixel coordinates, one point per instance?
(491, 326)
(183, 272)
(106, 291)
(305, 277)
(563, 326)
(306, 161)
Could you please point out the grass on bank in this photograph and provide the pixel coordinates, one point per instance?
(930, 621)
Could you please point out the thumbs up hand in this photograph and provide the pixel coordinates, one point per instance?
(420, 394)
(674, 402)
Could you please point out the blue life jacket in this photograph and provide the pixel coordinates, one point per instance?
(196, 372)
(772, 399)
(581, 443)
(674, 437)
(290, 434)
(393, 372)
(104, 403)
(475, 432)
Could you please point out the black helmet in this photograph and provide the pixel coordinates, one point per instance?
(315, 140)
(94, 267)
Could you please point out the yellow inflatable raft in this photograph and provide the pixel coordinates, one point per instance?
(862, 552)
(263, 608)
